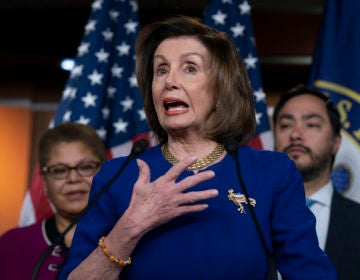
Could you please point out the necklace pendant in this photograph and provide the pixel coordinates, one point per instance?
(238, 199)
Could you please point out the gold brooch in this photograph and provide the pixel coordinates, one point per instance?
(239, 199)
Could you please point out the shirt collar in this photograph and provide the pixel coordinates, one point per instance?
(323, 195)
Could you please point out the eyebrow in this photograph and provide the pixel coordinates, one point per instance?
(303, 117)
(182, 56)
(85, 160)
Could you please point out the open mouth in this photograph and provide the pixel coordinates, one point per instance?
(175, 105)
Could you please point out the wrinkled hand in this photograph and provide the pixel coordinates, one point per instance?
(155, 203)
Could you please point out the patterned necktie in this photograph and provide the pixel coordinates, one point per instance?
(310, 202)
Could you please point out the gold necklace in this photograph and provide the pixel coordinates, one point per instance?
(201, 163)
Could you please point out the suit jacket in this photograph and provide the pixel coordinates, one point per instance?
(343, 240)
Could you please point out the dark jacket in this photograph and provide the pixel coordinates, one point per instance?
(343, 240)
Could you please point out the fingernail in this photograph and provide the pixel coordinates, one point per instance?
(215, 192)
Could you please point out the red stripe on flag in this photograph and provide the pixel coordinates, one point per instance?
(145, 136)
(256, 143)
(39, 200)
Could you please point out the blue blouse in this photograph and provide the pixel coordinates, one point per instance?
(220, 242)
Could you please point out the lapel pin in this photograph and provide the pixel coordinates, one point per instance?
(238, 199)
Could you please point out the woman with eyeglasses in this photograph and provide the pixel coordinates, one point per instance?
(69, 156)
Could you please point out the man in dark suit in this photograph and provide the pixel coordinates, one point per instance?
(307, 128)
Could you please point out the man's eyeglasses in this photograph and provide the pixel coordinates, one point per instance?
(62, 171)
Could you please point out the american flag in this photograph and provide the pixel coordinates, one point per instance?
(101, 90)
(234, 18)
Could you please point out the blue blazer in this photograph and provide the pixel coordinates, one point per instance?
(343, 240)
(220, 242)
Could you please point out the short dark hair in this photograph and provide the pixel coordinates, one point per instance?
(301, 89)
(235, 115)
(70, 132)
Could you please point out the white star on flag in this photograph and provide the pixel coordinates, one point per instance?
(258, 116)
(76, 71)
(102, 56)
(83, 120)
(114, 15)
(134, 6)
(250, 61)
(90, 26)
(111, 92)
(116, 71)
(123, 49)
(108, 35)
(102, 133)
(95, 78)
(238, 30)
(69, 93)
(120, 126)
(96, 5)
(219, 17)
(259, 95)
(245, 8)
(83, 49)
(89, 100)
(105, 112)
(67, 116)
(127, 103)
(142, 114)
(133, 81)
(130, 26)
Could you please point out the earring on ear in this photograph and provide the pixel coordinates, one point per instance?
(217, 104)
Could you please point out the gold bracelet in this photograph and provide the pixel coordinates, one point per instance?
(111, 257)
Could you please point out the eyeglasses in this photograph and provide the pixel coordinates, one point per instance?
(62, 171)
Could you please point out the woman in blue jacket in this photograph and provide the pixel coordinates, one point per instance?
(180, 211)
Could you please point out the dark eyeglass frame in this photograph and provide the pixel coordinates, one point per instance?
(49, 170)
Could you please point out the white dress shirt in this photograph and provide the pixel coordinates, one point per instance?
(321, 210)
